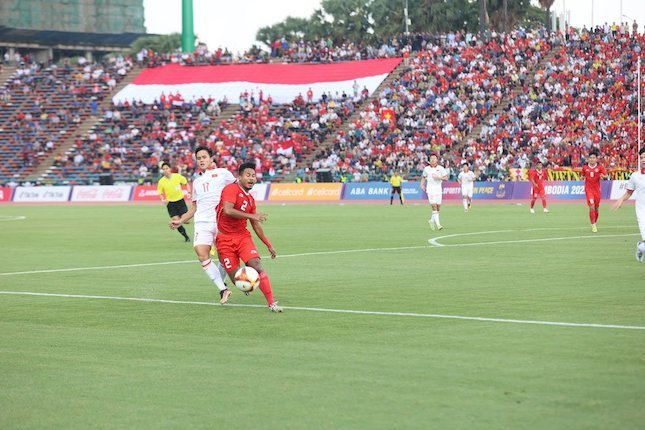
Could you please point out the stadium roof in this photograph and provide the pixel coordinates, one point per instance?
(59, 39)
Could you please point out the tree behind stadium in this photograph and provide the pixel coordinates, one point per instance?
(373, 21)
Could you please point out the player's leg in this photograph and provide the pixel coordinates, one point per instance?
(534, 196)
(202, 244)
(640, 246)
(543, 198)
(464, 200)
(392, 196)
(249, 254)
(435, 212)
(176, 210)
(400, 191)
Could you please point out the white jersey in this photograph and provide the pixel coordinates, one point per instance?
(467, 179)
(433, 186)
(637, 185)
(207, 190)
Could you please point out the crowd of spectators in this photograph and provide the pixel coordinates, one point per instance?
(584, 97)
(41, 104)
(447, 88)
(555, 110)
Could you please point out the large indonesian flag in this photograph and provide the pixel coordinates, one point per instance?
(283, 82)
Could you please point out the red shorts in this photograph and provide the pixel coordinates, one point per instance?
(538, 192)
(233, 248)
(593, 197)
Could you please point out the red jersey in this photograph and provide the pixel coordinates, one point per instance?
(593, 175)
(537, 177)
(243, 202)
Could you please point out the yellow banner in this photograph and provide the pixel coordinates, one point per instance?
(305, 191)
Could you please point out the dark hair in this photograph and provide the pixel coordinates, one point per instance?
(203, 148)
(165, 164)
(594, 152)
(245, 166)
(642, 151)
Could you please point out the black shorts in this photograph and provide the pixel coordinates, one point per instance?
(177, 208)
(396, 190)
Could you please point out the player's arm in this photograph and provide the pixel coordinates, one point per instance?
(259, 231)
(423, 182)
(445, 175)
(185, 217)
(229, 210)
(189, 193)
(162, 194)
(622, 199)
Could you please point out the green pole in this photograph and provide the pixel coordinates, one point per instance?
(187, 30)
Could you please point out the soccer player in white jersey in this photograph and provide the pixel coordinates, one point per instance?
(636, 186)
(207, 190)
(431, 180)
(466, 178)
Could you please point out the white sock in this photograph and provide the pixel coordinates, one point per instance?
(465, 203)
(222, 270)
(436, 218)
(213, 273)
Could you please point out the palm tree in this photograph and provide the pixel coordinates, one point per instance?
(546, 5)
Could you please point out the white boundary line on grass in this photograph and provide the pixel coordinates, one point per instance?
(12, 217)
(339, 311)
(433, 244)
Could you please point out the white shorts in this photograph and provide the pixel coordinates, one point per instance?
(435, 199)
(204, 234)
(467, 192)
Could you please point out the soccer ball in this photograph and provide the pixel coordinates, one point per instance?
(247, 279)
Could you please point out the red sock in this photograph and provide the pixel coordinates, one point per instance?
(592, 215)
(595, 216)
(544, 203)
(532, 203)
(265, 287)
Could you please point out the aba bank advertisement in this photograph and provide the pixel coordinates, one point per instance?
(48, 194)
(380, 191)
(5, 194)
(568, 190)
(101, 193)
(259, 191)
(305, 192)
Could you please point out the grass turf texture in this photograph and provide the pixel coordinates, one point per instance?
(78, 363)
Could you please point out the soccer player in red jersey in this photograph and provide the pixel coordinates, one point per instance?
(593, 173)
(536, 176)
(233, 241)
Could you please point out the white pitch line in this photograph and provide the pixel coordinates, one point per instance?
(436, 244)
(121, 266)
(433, 244)
(339, 311)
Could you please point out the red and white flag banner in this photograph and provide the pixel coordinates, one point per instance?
(283, 82)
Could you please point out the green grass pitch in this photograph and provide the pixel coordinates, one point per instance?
(405, 362)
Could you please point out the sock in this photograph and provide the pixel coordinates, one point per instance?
(532, 203)
(222, 270)
(597, 214)
(213, 274)
(544, 203)
(401, 198)
(434, 217)
(391, 198)
(465, 203)
(182, 231)
(591, 217)
(265, 287)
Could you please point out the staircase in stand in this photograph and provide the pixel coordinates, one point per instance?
(503, 103)
(84, 127)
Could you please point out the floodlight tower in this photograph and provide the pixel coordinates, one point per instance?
(187, 30)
